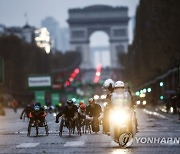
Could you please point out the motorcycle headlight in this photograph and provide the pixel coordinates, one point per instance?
(119, 117)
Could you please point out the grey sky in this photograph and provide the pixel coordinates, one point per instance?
(12, 11)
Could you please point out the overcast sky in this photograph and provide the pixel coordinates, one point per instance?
(12, 11)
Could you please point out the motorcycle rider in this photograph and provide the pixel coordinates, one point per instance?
(69, 111)
(93, 113)
(125, 95)
(108, 86)
(37, 113)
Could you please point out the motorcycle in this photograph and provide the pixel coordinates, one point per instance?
(122, 125)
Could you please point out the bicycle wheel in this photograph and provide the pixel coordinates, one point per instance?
(70, 127)
(47, 130)
(79, 127)
(46, 127)
(29, 130)
(37, 129)
(60, 129)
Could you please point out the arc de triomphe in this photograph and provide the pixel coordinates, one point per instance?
(112, 20)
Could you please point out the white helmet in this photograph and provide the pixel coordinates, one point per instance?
(119, 84)
(108, 83)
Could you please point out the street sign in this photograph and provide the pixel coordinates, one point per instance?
(39, 82)
(1, 70)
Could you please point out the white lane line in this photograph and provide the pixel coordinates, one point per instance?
(149, 130)
(27, 145)
(25, 132)
(155, 114)
(74, 143)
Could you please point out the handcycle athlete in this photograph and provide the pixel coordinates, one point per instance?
(69, 117)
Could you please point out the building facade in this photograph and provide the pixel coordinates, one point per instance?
(111, 20)
(53, 27)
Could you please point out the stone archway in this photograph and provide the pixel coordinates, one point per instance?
(111, 20)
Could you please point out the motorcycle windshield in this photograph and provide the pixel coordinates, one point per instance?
(120, 99)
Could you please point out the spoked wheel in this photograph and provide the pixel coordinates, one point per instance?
(73, 128)
(79, 132)
(37, 129)
(60, 133)
(88, 129)
(47, 130)
(83, 127)
(70, 127)
(79, 129)
(60, 129)
(29, 130)
(70, 131)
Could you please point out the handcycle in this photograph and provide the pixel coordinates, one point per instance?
(37, 123)
(81, 124)
(71, 124)
(92, 125)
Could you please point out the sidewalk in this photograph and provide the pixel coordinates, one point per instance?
(10, 114)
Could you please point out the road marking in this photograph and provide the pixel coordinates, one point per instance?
(149, 130)
(74, 143)
(27, 145)
(25, 132)
(154, 113)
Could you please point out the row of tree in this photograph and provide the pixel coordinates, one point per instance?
(156, 46)
(22, 59)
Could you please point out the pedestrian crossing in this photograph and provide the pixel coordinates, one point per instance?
(79, 144)
(66, 144)
(74, 143)
(27, 145)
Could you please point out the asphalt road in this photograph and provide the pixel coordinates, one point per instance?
(13, 137)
